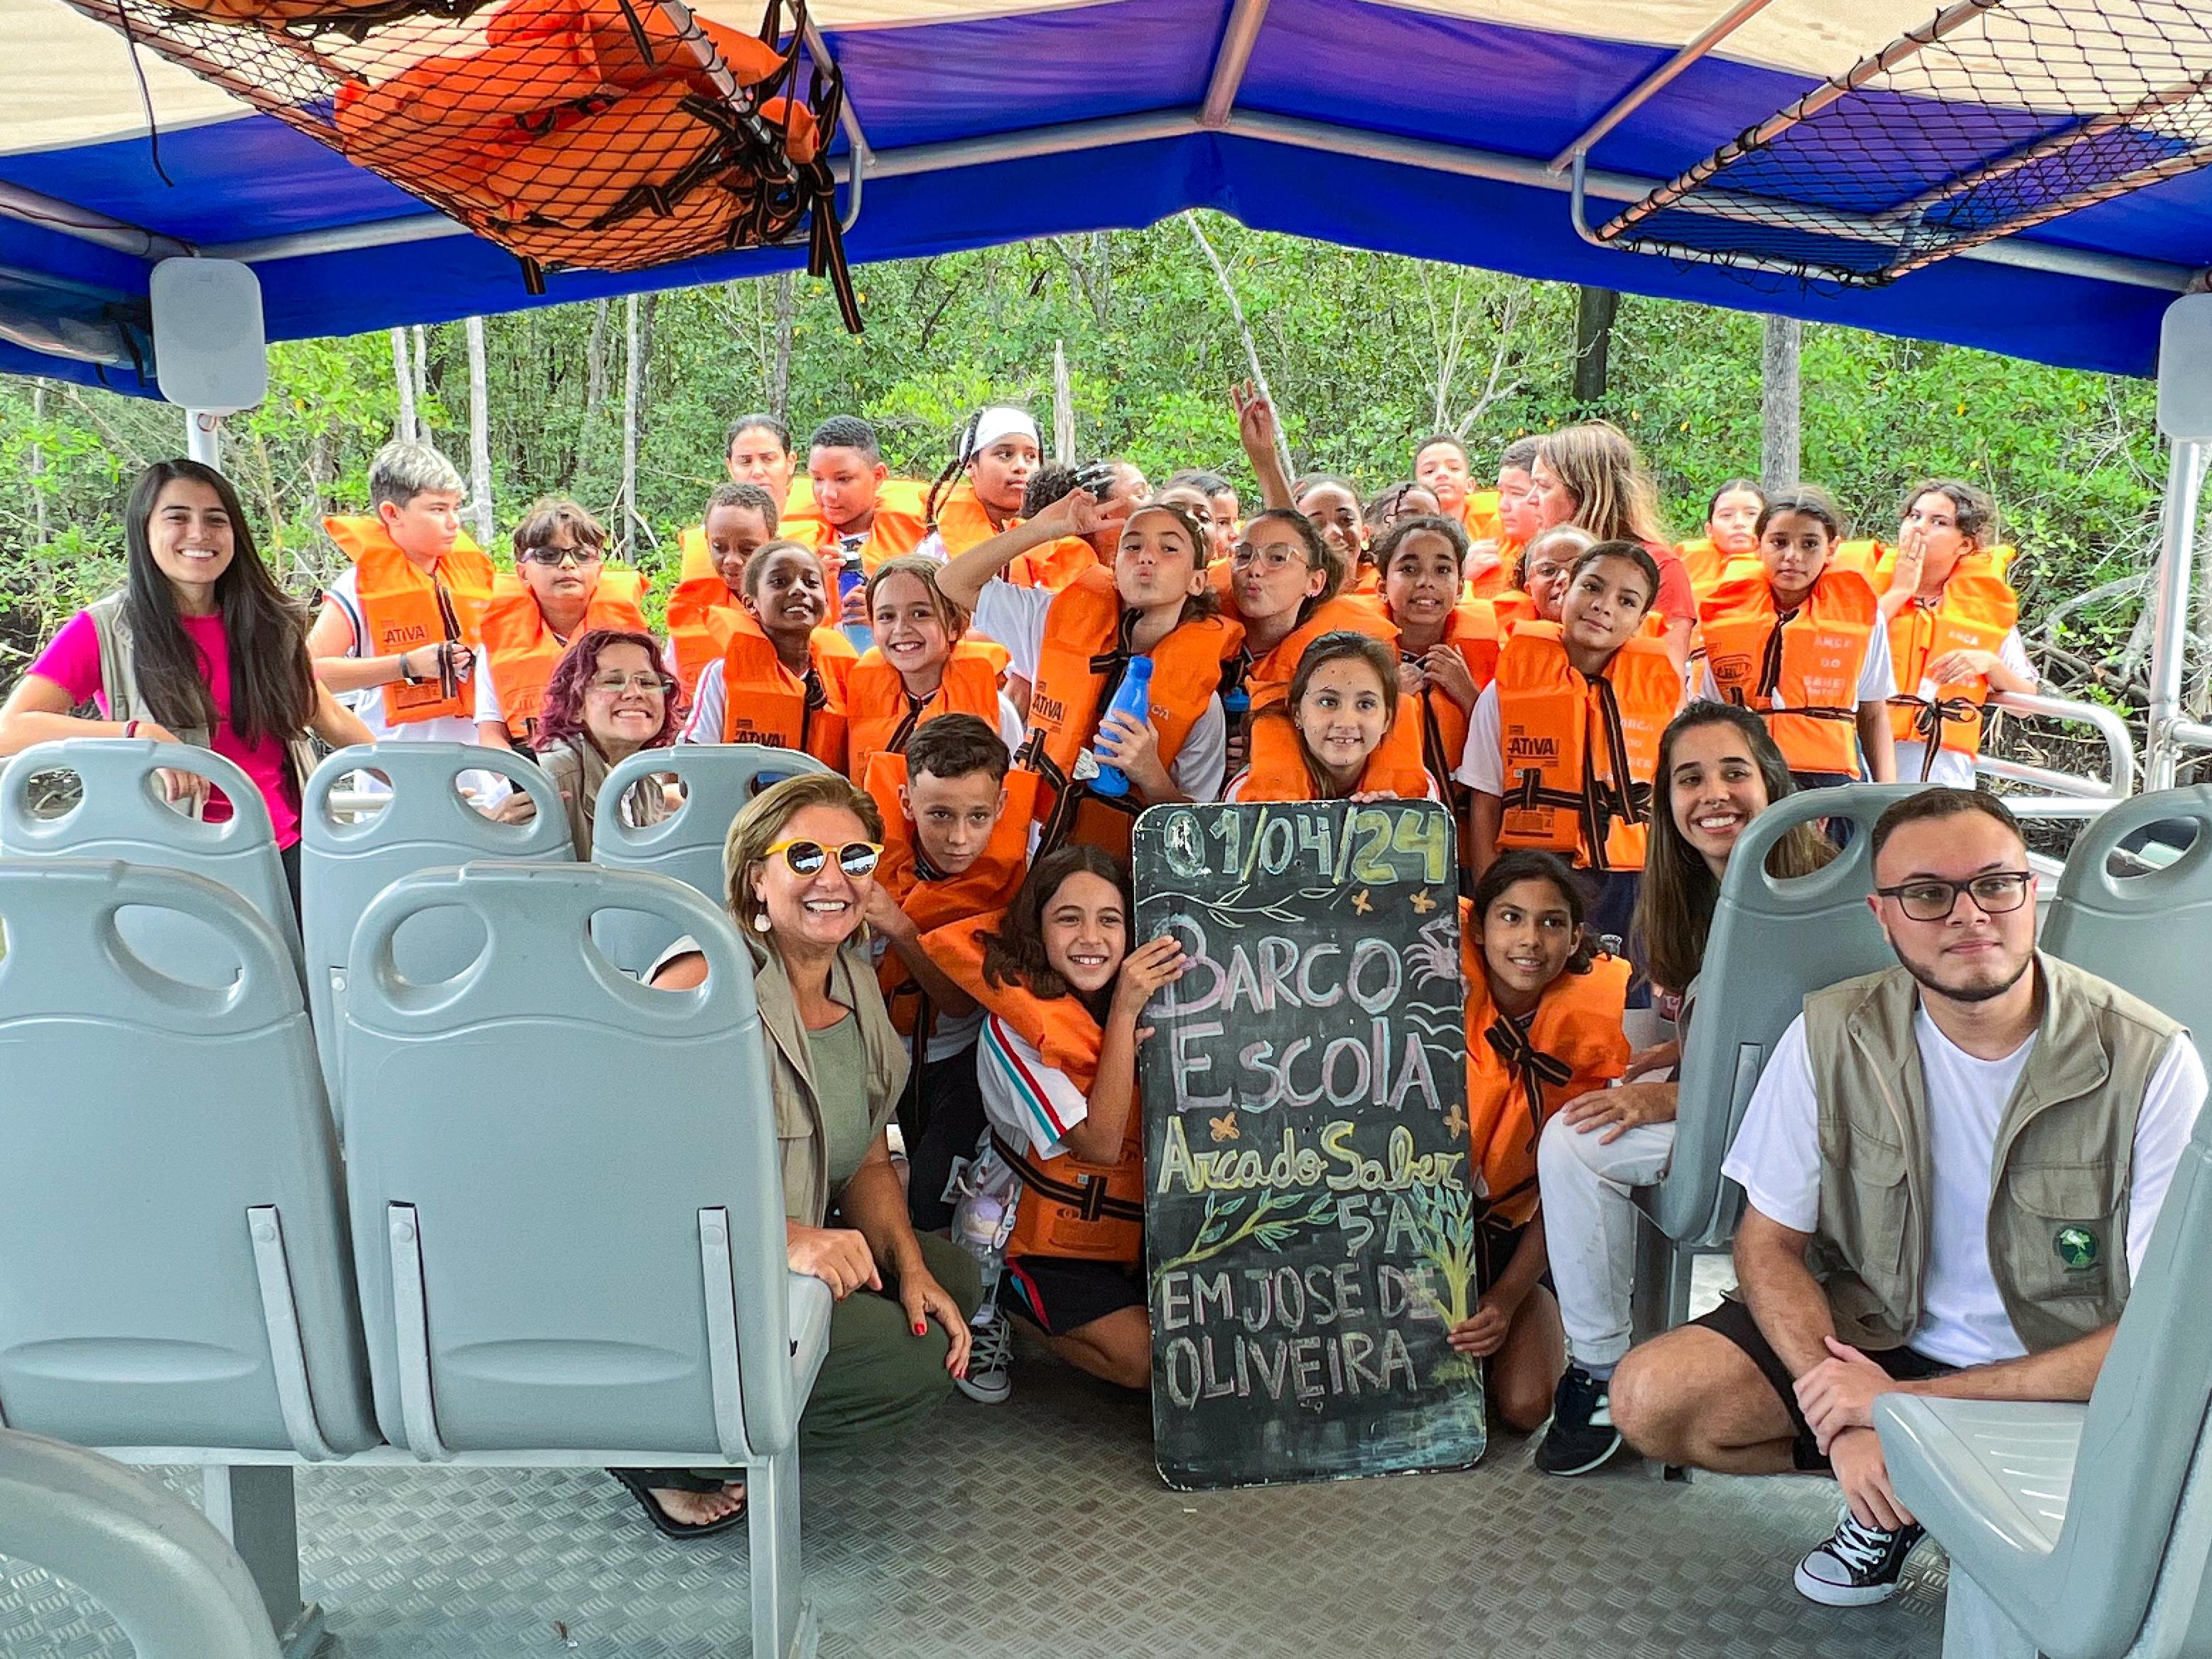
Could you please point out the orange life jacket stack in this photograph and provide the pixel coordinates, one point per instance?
(523, 650)
(1580, 754)
(404, 609)
(1068, 1207)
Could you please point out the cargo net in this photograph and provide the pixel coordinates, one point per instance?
(1997, 116)
(604, 135)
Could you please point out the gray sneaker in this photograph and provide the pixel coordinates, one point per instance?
(990, 1358)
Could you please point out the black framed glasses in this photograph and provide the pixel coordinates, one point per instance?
(1931, 898)
(856, 858)
(553, 558)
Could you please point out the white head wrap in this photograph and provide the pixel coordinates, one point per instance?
(999, 421)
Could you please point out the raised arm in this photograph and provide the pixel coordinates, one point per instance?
(1256, 427)
(1076, 514)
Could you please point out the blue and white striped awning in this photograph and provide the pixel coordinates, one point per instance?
(1439, 129)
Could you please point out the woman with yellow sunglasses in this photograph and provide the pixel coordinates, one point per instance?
(802, 859)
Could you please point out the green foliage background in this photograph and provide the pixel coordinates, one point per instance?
(1366, 353)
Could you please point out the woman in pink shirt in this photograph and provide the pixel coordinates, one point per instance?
(209, 649)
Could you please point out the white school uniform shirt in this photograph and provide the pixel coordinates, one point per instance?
(1015, 617)
(1026, 1100)
(1776, 1160)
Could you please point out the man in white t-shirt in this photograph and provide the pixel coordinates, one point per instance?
(1930, 1163)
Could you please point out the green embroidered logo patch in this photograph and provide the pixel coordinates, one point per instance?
(2076, 1247)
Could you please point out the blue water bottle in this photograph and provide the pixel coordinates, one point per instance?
(1135, 699)
(851, 577)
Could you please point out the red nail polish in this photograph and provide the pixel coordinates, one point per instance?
(919, 1329)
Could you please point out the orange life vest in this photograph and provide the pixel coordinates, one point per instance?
(1478, 513)
(934, 902)
(1269, 680)
(1709, 568)
(1083, 651)
(1580, 754)
(403, 609)
(1861, 555)
(1513, 607)
(1496, 579)
(1801, 672)
(1977, 610)
(523, 650)
(763, 701)
(1471, 628)
(962, 521)
(699, 561)
(1068, 1207)
(1518, 1074)
(703, 613)
(895, 529)
(1053, 565)
(1365, 578)
(881, 716)
(1278, 771)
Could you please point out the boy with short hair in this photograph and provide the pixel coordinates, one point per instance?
(741, 518)
(402, 628)
(1441, 464)
(1493, 566)
(957, 832)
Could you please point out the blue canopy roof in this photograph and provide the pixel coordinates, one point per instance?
(1423, 129)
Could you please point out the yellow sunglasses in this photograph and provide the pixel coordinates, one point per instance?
(856, 858)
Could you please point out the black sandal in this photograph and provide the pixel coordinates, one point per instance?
(639, 1486)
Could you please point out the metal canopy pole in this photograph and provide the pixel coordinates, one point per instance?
(204, 437)
(1636, 96)
(1231, 61)
(2185, 415)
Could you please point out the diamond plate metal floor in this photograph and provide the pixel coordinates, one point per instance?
(1049, 1502)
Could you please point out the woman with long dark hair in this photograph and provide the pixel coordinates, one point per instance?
(1718, 769)
(199, 646)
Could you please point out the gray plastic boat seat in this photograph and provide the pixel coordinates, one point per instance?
(118, 813)
(719, 779)
(423, 824)
(173, 1261)
(1772, 944)
(2150, 932)
(168, 1578)
(626, 1285)
(2069, 1519)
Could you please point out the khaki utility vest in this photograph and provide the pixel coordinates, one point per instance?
(119, 683)
(2060, 1176)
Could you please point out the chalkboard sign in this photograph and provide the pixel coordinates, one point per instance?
(1307, 1210)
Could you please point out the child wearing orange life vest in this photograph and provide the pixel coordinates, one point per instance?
(956, 845)
(781, 679)
(1063, 992)
(1344, 731)
(1731, 536)
(739, 520)
(1563, 746)
(860, 515)
(1543, 1026)
(1951, 619)
(981, 491)
(1447, 645)
(1589, 474)
(560, 591)
(400, 631)
(1441, 464)
(1801, 645)
(921, 667)
(1223, 510)
(755, 451)
(1541, 577)
(1284, 592)
(1074, 648)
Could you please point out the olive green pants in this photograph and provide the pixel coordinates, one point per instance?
(878, 1374)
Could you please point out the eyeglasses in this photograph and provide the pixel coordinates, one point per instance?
(1930, 898)
(856, 858)
(554, 556)
(613, 685)
(1272, 560)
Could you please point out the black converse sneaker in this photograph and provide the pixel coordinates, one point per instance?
(1581, 1436)
(1858, 1565)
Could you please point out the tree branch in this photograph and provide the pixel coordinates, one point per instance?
(1251, 349)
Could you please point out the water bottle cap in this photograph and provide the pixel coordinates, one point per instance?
(1141, 668)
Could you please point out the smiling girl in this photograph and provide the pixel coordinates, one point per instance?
(921, 666)
(782, 679)
(1802, 645)
(1074, 648)
(1063, 992)
(1543, 1026)
(199, 646)
(1344, 732)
